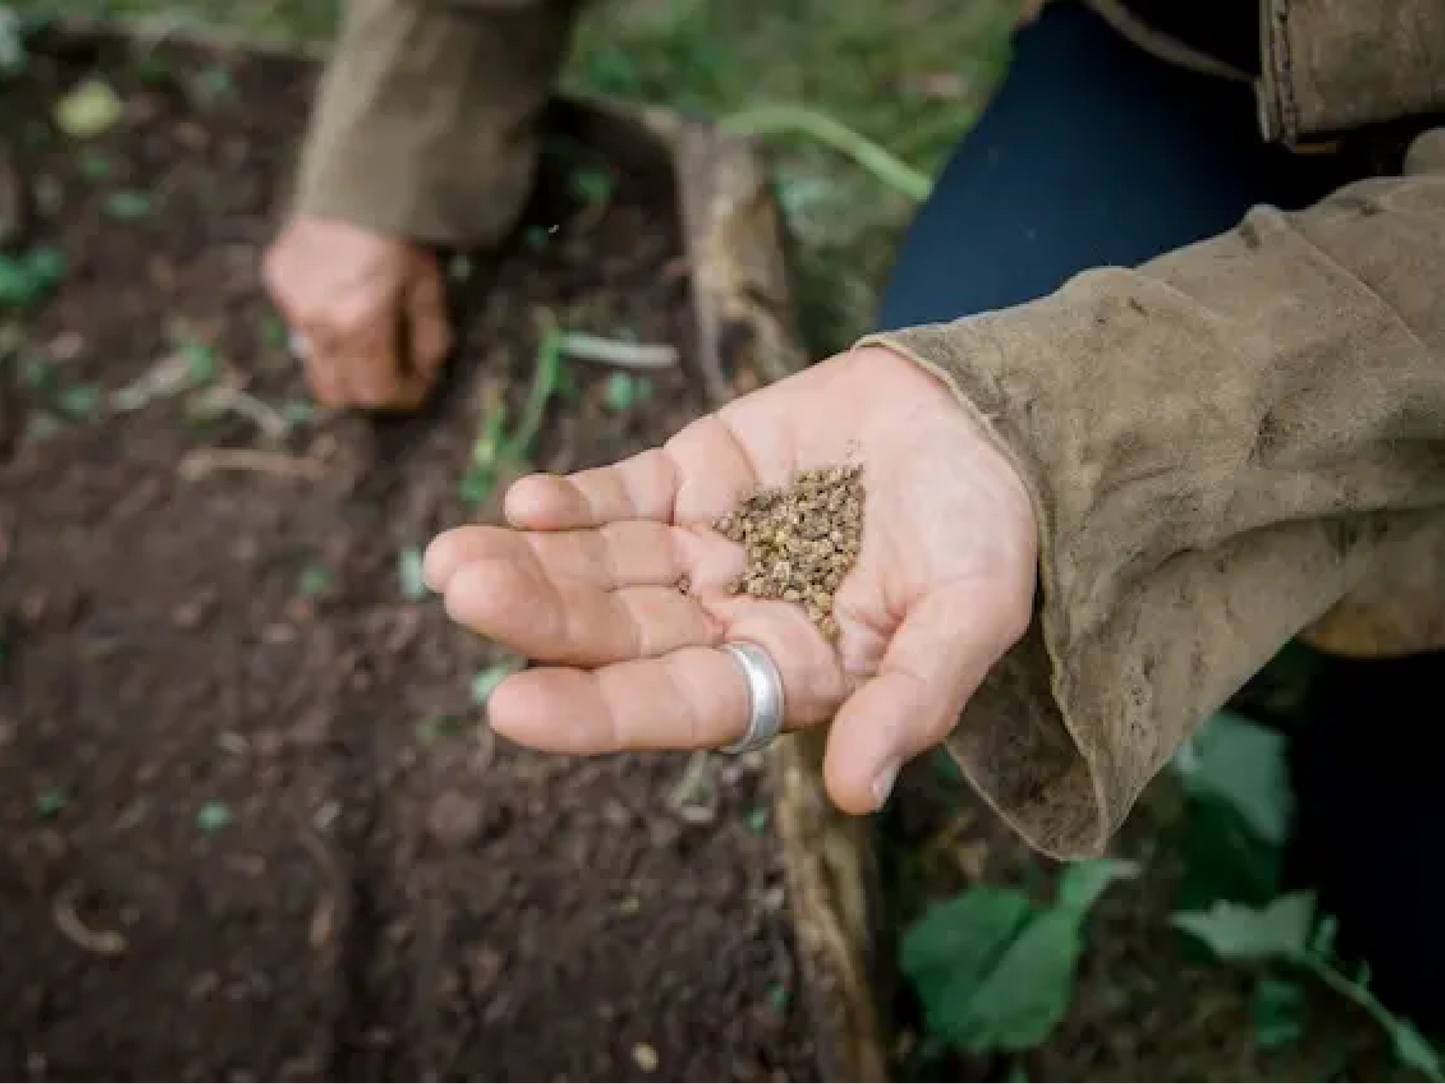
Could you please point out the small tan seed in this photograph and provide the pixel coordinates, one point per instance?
(800, 540)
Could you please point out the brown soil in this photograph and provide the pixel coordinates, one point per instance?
(250, 826)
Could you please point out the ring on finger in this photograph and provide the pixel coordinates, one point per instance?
(765, 697)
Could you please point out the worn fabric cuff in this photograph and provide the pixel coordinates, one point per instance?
(426, 121)
(1217, 445)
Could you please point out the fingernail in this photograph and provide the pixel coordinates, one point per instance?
(883, 783)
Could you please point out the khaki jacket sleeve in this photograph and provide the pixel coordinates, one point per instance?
(426, 119)
(1217, 445)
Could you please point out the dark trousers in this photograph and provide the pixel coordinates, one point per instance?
(1094, 153)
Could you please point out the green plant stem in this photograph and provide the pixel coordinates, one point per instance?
(1360, 995)
(544, 384)
(877, 160)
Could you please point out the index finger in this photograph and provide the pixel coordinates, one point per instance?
(644, 486)
(698, 474)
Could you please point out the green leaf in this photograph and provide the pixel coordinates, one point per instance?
(94, 166)
(993, 971)
(1028, 991)
(956, 942)
(46, 262)
(443, 726)
(88, 110)
(1279, 931)
(413, 586)
(213, 816)
(128, 205)
(568, 389)
(215, 82)
(592, 186)
(1322, 941)
(1242, 764)
(1082, 883)
(611, 70)
(37, 372)
(80, 401)
(315, 579)
(50, 803)
(622, 391)
(1224, 859)
(13, 53)
(28, 277)
(1415, 1051)
(1279, 1012)
(486, 681)
(297, 411)
(201, 361)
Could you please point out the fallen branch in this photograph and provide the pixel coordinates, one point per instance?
(225, 397)
(200, 462)
(585, 347)
(100, 942)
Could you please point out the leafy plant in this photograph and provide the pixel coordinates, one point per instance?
(1234, 774)
(993, 969)
(13, 53)
(1242, 764)
(624, 391)
(495, 450)
(128, 205)
(486, 681)
(594, 187)
(1286, 931)
(409, 574)
(26, 278)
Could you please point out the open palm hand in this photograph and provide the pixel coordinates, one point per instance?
(585, 581)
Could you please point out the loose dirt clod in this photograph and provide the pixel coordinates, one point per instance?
(802, 540)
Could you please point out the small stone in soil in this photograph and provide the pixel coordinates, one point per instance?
(801, 540)
(644, 1055)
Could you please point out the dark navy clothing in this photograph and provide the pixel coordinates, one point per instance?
(1095, 153)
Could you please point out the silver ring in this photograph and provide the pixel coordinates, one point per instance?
(299, 345)
(765, 697)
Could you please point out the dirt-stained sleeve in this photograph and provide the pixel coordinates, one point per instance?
(1216, 444)
(425, 123)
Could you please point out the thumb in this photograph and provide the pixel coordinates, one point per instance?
(941, 653)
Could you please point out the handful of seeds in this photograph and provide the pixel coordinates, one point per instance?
(801, 540)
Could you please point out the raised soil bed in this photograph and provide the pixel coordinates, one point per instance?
(251, 826)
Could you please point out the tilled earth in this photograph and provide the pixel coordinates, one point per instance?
(250, 827)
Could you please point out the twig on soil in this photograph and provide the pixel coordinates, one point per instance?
(877, 160)
(694, 796)
(100, 942)
(169, 376)
(262, 415)
(200, 462)
(326, 915)
(485, 752)
(585, 347)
